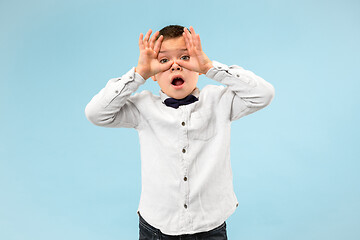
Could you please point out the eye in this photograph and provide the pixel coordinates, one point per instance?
(185, 58)
(164, 60)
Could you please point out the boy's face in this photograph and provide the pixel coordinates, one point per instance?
(177, 82)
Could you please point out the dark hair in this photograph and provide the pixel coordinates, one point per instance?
(172, 31)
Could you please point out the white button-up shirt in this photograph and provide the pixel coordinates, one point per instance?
(187, 184)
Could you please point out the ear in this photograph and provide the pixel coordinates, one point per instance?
(153, 78)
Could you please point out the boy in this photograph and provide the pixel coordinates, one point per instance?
(187, 190)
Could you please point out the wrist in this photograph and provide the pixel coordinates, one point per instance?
(208, 67)
(140, 71)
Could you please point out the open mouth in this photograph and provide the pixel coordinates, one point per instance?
(178, 81)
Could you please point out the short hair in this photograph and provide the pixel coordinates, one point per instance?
(171, 31)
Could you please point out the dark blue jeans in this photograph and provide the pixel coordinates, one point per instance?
(148, 232)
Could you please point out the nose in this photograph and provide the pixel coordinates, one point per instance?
(176, 67)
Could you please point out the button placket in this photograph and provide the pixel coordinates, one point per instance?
(184, 152)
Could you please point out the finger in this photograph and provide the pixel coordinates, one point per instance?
(193, 34)
(146, 39)
(141, 44)
(192, 30)
(158, 44)
(147, 36)
(185, 33)
(184, 64)
(166, 66)
(153, 39)
(198, 42)
(187, 43)
(188, 35)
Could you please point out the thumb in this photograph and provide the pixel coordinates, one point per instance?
(166, 66)
(184, 64)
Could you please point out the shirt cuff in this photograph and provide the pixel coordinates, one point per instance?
(222, 72)
(217, 66)
(131, 80)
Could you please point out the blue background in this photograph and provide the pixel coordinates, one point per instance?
(295, 163)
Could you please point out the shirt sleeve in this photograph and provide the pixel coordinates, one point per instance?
(114, 106)
(247, 92)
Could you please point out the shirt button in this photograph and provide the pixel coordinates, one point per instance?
(131, 77)
(116, 91)
(237, 75)
(185, 206)
(185, 178)
(237, 204)
(184, 151)
(183, 123)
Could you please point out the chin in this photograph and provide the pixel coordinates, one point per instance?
(177, 96)
(182, 94)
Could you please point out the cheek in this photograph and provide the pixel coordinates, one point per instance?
(194, 78)
(161, 78)
(158, 76)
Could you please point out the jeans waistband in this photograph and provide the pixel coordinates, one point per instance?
(158, 232)
(147, 225)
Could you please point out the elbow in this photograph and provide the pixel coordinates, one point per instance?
(269, 94)
(265, 97)
(99, 117)
(93, 116)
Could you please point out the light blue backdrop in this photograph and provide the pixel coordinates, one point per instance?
(295, 163)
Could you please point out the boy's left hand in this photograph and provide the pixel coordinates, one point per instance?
(198, 61)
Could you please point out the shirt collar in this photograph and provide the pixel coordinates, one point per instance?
(163, 96)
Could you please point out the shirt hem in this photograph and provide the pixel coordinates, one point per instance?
(206, 229)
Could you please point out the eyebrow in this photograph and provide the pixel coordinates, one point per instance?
(183, 50)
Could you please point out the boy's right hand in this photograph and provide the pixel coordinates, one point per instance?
(148, 64)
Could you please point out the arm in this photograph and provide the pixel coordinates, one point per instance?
(245, 91)
(113, 106)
